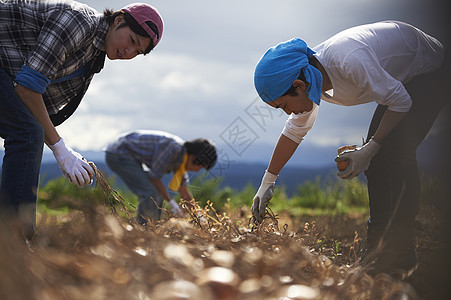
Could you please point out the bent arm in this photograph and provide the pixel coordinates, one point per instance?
(283, 151)
(160, 188)
(35, 103)
(185, 193)
(389, 121)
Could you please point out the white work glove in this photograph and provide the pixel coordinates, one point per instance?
(72, 164)
(264, 194)
(175, 208)
(359, 159)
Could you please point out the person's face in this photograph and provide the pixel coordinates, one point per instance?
(191, 166)
(122, 42)
(294, 104)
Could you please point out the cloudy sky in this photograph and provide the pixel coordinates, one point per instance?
(198, 82)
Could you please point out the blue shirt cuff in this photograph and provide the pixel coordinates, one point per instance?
(32, 79)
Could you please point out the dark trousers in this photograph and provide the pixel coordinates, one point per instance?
(24, 143)
(137, 180)
(393, 176)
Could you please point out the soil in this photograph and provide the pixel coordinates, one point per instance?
(95, 254)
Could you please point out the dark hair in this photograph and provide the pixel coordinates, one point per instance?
(204, 152)
(132, 24)
(292, 90)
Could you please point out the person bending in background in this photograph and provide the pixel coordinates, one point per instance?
(49, 52)
(161, 153)
(387, 62)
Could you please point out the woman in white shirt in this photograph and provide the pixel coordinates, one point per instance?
(373, 62)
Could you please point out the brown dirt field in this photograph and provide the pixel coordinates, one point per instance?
(94, 254)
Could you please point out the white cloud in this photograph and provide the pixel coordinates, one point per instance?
(200, 77)
(177, 93)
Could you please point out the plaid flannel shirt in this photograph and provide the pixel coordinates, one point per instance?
(160, 151)
(54, 38)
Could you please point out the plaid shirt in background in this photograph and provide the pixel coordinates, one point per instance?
(160, 151)
(54, 38)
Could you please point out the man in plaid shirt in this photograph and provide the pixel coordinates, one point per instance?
(49, 51)
(161, 153)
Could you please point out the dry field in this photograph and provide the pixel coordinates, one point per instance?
(95, 254)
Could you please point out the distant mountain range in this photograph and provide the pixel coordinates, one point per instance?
(237, 174)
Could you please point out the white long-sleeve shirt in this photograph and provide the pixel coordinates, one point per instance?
(371, 63)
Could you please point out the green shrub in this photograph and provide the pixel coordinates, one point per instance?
(204, 189)
(61, 195)
(244, 197)
(338, 196)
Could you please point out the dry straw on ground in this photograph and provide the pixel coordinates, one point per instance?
(95, 254)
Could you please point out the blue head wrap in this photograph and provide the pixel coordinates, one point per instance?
(281, 65)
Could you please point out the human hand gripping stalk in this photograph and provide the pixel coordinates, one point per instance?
(263, 196)
(359, 158)
(175, 208)
(72, 164)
